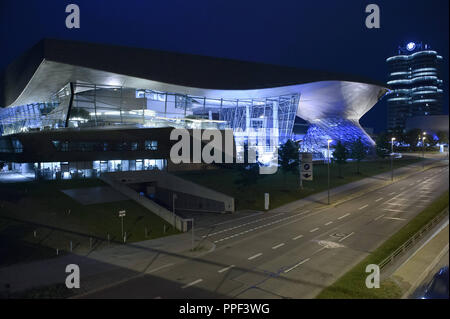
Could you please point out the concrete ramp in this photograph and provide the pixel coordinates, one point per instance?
(162, 186)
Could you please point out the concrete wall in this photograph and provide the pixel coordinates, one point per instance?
(175, 184)
(178, 222)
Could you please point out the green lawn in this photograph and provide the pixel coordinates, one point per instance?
(41, 206)
(352, 284)
(284, 188)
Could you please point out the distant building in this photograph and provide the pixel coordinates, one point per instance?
(416, 87)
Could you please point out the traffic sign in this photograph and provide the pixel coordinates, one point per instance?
(122, 213)
(306, 167)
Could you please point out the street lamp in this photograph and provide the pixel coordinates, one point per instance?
(174, 196)
(392, 158)
(328, 167)
(423, 149)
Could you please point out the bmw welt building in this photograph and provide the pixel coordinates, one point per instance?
(70, 108)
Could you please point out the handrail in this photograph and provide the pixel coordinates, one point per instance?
(412, 240)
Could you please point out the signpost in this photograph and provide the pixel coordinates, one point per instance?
(122, 214)
(306, 168)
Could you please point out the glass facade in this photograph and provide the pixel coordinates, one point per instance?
(70, 170)
(100, 106)
(416, 86)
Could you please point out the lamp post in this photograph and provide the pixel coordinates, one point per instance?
(328, 168)
(423, 150)
(300, 164)
(174, 196)
(392, 158)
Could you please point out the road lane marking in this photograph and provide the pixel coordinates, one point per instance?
(159, 268)
(379, 217)
(343, 216)
(329, 223)
(295, 266)
(299, 236)
(192, 283)
(254, 256)
(278, 246)
(362, 207)
(395, 218)
(313, 230)
(346, 236)
(225, 269)
(392, 193)
(242, 225)
(395, 210)
(379, 199)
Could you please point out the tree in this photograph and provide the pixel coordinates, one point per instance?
(288, 157)
(412, 138)
(340, 155)
(382, 145)
(442, 137)
(248, 173)
(358, 152)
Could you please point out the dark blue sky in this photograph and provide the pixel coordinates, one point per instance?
(316, 34)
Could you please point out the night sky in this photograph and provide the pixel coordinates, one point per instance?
(324, 35)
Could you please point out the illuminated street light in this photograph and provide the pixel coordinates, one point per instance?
(423, 149)
(329, 141)
(392, 158)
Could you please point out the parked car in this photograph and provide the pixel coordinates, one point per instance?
(438, 287)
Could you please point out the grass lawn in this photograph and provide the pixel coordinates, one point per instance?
(284, 188)
(41, 206)
(352, 284)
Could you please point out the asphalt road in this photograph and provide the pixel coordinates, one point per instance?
(288, 254)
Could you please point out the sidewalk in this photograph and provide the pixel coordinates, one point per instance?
(103, 267)
(414, 270)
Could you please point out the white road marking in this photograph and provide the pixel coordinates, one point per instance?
(343, 216)
(395, 218)
(278, 246)
(392, 193)
(411, 184)
(261, 226)
(346, 236)
(159, 268)
(295, 266)
(329, 223)
(313, 230)
(395, 210)
(299, 236)
(241, 225)
(362, 207)
(225, 269)
(379, 199)
(379, 217)
(254, 256)
(192, 283)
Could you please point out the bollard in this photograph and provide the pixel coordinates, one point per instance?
(57, 251)
(125, 237)
(34, 233)
(70, 246)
